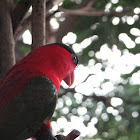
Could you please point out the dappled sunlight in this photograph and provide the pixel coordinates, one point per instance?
(54, 22)
(116, 101)
(70, 38)
(137, 10)
(102, 79)
(135, 114)
(114, 1)
(91, 80)
(129, 43)
(78, 47)
(119, 9)
(81, 73)
(135, 31)
(76, 123)
(137, 40)
(115, 20)
(135, 79)
(78, 98)
(84, 88)
(130, 20)
(27, 38)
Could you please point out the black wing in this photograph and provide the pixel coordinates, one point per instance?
(21, 117)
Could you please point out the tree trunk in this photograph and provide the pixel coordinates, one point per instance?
(7, 54)
(38, 23)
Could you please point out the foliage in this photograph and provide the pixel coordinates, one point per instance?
(120, 122)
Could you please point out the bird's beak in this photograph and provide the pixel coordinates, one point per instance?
(70, 79)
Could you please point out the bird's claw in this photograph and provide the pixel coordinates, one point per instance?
(60, 137)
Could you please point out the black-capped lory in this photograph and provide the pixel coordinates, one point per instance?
(28, 92)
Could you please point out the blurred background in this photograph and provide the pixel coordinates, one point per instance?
(104, 101)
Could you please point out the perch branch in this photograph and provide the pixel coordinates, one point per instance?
(71, 136)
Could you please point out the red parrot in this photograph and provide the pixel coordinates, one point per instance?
(28, 91)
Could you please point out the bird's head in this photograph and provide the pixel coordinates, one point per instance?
(56, 62)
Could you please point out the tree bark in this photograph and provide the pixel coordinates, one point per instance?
(71, 136)
(7, 54)
(19, 12)
(38, 23)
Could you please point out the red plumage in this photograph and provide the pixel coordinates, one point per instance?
(37, 62)
(55, 62)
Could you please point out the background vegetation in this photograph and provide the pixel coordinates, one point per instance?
(104, 103)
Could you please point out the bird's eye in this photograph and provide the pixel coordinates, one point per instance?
(75, 59)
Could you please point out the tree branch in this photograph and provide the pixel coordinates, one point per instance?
(104, 99)
(68, 23)
(26, 24)
(90, 4)
(7, 44)
(89, 11)
(38, 23)
(19, 12)
(71, 136)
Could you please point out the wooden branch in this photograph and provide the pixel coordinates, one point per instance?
(7, 54)
(26, 24)
(90, 4)
(104, 99)
(38, 23)
(19, 12)
(89, 11)
(94, 13)
(71, 136)
(129, 8)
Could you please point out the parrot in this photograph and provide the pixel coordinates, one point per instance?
(29, 91)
